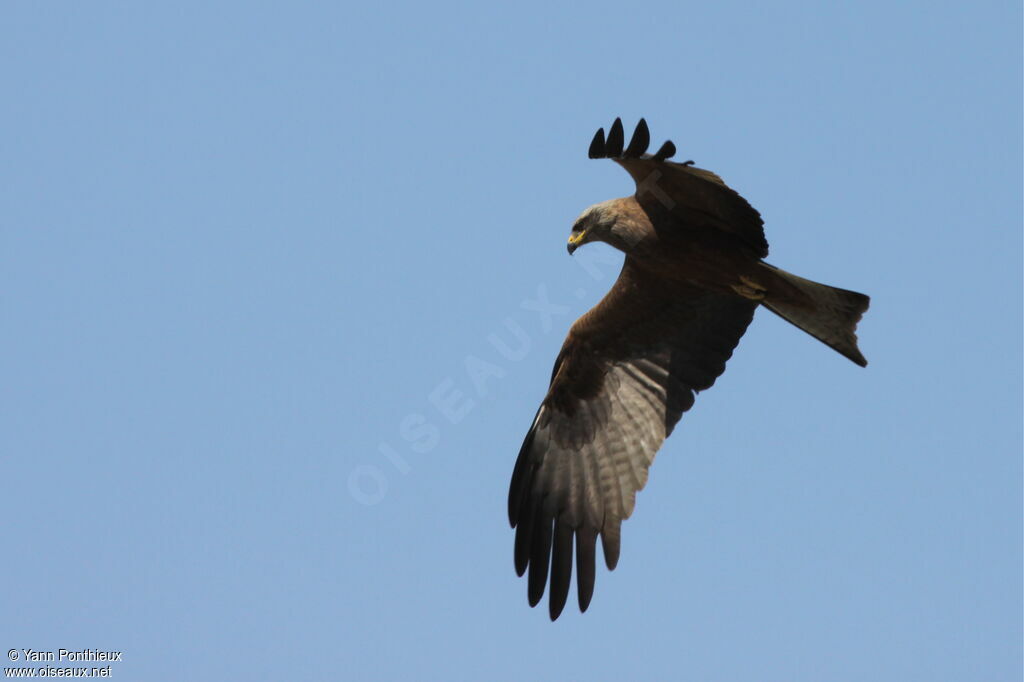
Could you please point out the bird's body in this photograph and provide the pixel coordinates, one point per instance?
(692, 278)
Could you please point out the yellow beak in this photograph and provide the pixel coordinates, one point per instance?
(575, 240)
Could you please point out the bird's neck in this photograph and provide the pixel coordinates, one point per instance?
(632, 228)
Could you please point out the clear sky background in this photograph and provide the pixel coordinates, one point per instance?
(243, 244)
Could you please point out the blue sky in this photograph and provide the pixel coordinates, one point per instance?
(249, 248)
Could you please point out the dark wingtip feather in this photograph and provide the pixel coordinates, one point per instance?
(616, 138)
(597, 145)
(639, 142)
(540, 557)
(586, 539)
(667, 151)
(524, 531)
(561, 569)
(610, 544)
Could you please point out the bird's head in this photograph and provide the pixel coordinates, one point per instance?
(611, 222)
(594, 224)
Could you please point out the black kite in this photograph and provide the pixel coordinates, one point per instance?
(631, 365)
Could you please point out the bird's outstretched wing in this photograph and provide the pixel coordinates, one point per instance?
(693, 196)
(626, 373)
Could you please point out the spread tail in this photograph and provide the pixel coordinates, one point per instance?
(826, 313)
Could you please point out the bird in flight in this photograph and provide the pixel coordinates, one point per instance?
(693, 275)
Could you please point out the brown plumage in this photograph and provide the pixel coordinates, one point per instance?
(631, 366)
